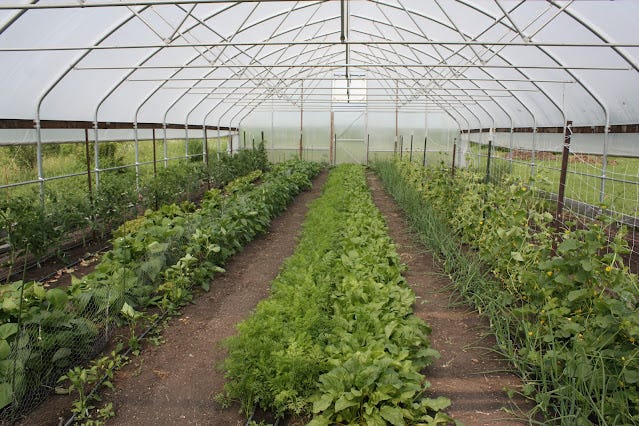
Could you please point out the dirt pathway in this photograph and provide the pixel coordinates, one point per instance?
(468, 372)
(178, 380)
(175, 383)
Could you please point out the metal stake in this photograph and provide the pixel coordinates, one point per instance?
(424, 154)
(88, 159)
(452, 170)
(490, 152)
(410, 156)
(564, 169)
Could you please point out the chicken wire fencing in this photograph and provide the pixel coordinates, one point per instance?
(50, 330)
(71, 190)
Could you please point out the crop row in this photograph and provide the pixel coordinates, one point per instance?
(155, 261)
(29, 226)
(560, 299)
(337, 340)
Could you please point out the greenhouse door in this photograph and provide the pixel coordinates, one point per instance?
(350, 135)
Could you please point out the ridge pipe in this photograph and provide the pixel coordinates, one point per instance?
(321, 43)
(359, 65)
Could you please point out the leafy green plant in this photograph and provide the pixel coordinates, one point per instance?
(84, 381)
(352, 356)
(562, 303)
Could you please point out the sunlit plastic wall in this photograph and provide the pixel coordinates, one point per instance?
(359, 135)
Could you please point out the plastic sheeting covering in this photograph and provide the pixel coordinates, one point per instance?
(485, 63)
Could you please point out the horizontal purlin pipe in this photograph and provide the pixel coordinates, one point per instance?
(617, 128)
(311, 43)
(64, 124)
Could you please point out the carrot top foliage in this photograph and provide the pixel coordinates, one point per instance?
(337, 340)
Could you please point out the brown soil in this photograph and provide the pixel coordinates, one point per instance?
(176, 382)
(469, 372)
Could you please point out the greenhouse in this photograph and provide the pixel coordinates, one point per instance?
(324, 212)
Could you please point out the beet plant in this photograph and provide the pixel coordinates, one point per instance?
(337, 341)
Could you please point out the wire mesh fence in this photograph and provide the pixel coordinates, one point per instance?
(595, 184)
(49, 330)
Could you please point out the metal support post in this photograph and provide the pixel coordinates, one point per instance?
(331, 148)
(165, 147)
(39, 161)
(510, 151)
(410, 156)
(490, 152)
(136, 148)
(604, 165)
(424, 153)
(452, 170)
(88, 160)
(368, 142)
(155, 160)
(301, 117)
(186, 141)
(96, 155)
(205, 148)
(533, 153)
(564, 169)
(206, 159)
(401, 147)
(396, 115)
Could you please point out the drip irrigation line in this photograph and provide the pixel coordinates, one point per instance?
(75, 262)
(248, 421)
(35, 262)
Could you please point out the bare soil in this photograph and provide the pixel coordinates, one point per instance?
(175, 383)
(469, 372)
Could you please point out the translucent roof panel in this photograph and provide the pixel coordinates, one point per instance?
(483, 63)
